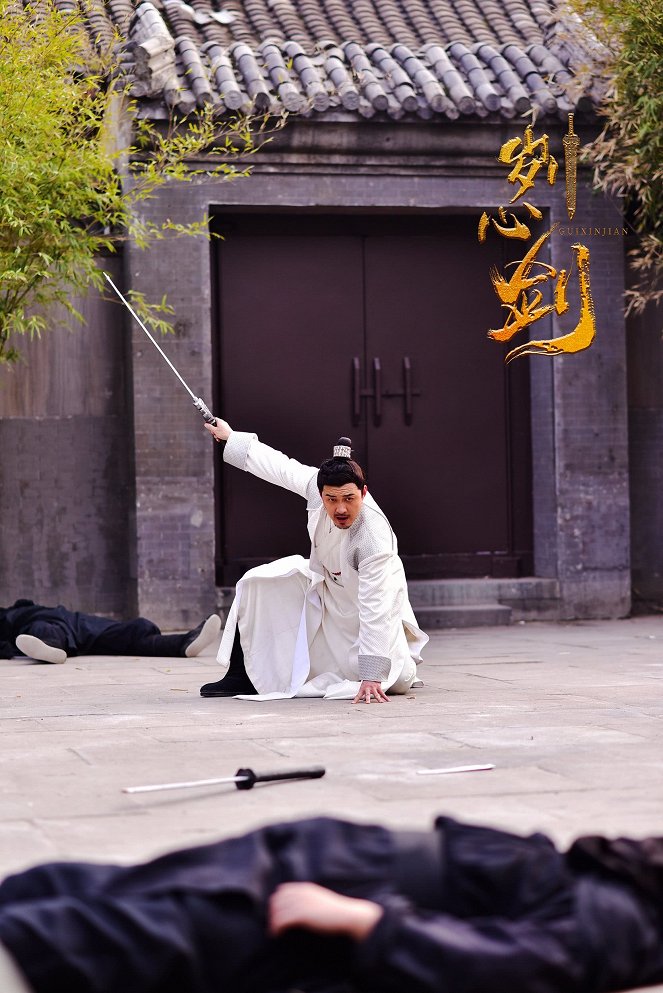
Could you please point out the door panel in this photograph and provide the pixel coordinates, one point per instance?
(290, 311)
(440, 473)
(306, 306)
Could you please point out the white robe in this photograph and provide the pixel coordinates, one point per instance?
(318, 628)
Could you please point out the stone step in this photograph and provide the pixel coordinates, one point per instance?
(448, 592)
(447, 603)
(463, 616)
(529, 598)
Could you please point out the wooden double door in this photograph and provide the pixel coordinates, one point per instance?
(373, 327)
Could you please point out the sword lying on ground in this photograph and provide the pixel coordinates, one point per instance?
(198, 402)
(454, 768)
(244, 779)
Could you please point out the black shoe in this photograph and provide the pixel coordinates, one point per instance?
(230, 685)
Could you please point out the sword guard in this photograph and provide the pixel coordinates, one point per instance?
(200, 405)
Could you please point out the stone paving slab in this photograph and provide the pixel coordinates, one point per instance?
(570, 714)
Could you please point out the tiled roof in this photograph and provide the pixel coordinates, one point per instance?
(428, 58)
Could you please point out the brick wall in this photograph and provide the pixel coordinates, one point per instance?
(590, 426)
(66, 475)
(174, 460)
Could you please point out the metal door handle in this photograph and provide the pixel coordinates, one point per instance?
(377, 391)
(407, 389)
(356, 390)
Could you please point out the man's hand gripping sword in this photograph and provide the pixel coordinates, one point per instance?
(198, 402)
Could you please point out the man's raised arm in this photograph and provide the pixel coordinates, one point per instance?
(245, 451)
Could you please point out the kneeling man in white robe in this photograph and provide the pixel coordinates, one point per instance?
(338, 626)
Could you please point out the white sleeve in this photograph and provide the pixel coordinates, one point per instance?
(377, 609)
(244, 451)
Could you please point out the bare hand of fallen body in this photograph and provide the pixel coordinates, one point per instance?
(307, 905)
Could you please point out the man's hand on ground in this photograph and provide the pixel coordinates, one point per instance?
(307, 905)
(371, 688)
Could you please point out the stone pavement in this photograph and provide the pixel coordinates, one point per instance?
(571, 715)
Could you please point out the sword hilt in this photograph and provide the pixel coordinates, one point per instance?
(250, 778)
(200, 405)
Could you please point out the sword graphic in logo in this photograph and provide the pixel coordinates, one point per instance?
(571, 144)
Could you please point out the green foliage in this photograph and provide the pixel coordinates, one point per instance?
(628, 154)
(69, 187)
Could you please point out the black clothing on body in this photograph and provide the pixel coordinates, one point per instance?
(639, 863)
(510, 914)
(84, 634)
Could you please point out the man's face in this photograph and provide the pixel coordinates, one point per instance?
(343, 503)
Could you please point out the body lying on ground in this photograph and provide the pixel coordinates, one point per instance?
(52, 634)
(335, 907)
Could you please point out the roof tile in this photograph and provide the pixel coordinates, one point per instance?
(432, 58)
(505, 75)
(433, 93)
(459, 92)
(340, 78)
(221, 69)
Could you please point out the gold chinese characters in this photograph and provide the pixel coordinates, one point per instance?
(521, 294)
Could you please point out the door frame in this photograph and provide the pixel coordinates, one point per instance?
(518, 560)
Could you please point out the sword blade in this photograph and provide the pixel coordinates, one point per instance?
(154, 342)
(454, 768)
(185, 785)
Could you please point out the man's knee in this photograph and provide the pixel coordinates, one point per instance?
(405, 680)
